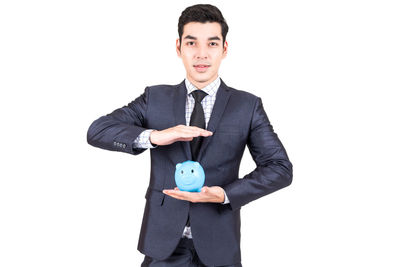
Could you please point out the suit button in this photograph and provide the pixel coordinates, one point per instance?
(123, 145)
(115, 143)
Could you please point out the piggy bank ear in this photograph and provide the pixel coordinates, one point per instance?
(178, 165)
(197, 164)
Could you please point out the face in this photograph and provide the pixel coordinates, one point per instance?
(201, 51)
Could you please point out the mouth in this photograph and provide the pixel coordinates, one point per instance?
(201, 67)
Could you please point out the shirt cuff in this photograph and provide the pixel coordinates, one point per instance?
(143, 140)
(226, 201)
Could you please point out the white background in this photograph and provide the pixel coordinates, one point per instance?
(327, 72)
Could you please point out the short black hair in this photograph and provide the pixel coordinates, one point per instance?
(202, 13)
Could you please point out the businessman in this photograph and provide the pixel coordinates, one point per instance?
(200, 119)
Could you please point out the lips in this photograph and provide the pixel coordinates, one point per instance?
(201, 67)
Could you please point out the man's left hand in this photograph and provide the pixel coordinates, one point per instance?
(208, 194)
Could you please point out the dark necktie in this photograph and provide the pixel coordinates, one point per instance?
(197, 119)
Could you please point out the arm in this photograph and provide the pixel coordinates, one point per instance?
(273, 171)
(123, 130)
(118, 130)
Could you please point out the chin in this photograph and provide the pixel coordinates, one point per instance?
(202, 78)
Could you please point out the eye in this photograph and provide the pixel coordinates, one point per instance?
(192, 171)
(181, 171)
(190, 43)
(215, 44)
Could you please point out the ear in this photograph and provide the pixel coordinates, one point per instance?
(225, 51)
(177, 44)
(178, 165)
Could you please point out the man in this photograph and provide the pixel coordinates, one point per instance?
(204, 120)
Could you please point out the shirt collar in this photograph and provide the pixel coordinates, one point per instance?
(210, 89)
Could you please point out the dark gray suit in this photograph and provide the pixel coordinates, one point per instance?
(238, 119)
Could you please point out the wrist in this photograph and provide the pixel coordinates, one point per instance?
(151, 138)
(222, 195)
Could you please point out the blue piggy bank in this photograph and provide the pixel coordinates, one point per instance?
(189, 176)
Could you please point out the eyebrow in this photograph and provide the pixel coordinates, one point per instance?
(194, 38)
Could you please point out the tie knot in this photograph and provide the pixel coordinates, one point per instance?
(198, 95)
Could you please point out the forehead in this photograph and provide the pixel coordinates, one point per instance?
(202, 30)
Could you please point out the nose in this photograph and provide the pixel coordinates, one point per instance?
(202, 52)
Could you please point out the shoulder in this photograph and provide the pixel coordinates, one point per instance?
(161, 89)
(158, 87)
(242, 95)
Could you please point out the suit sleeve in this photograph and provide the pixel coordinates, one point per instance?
(118, 130)
(273, 169)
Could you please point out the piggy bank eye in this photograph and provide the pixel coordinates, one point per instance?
(182, 171)
(192, 170)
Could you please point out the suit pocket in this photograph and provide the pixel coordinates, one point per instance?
(155, 196)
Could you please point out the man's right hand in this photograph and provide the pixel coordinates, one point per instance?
(177, 133)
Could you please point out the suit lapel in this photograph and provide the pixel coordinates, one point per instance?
(180, 95)
(221, 101)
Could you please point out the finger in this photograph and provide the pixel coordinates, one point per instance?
(205, 133)
(178, 193)
(196, 129)
(180, 196)
(174, 194)
(177, 197)
(185, 139)
(189, 129)
(196, 132)
(188, 134)
(191, 132)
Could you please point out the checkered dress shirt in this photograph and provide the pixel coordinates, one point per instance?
(143, 140)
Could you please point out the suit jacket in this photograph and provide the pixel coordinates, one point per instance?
(238, 119)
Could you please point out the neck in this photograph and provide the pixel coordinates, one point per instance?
(201, 84)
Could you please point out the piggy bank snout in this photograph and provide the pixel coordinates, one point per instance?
(189, 176)
(188, 179)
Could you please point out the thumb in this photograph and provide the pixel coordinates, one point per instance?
(204, 189)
